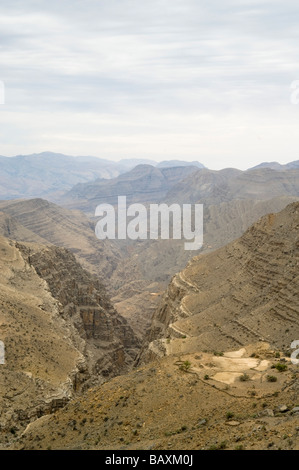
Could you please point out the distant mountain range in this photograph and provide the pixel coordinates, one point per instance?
(49, 174)
(144, 183)
(214, 187)
(171, 163)
(277, 166)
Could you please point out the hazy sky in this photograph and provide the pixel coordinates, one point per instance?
(166, 79)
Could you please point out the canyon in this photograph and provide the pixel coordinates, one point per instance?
(142, 344)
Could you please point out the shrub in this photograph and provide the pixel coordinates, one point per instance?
(244, 378)
(271, 378)
(186, 366)
(280, 367)
(222, 445)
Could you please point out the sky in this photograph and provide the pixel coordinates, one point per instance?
(210, 81)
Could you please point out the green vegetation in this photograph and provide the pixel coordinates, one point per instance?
(271, 378)
(280, 367)
(244, 378)
(177, 431)
(186, 366)
(221, 446)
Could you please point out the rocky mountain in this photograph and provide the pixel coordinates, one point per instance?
(40, 221)
(136, 273)
(10, 228)
(215, 187)
(217, 372)
(242, 293)
(220, 374)
(47, 174)
(175, 163)
(127, 164)
(232, 199)
(144, 183)
(277, 166)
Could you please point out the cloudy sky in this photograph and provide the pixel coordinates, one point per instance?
(160, 79)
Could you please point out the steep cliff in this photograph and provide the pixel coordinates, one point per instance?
(110, 345)
(43, 358)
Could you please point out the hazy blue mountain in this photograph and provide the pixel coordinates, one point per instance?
(172, 163)
(49, 174)
(277, 166)
(127, 164)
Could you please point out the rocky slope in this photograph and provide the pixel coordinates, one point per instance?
(144, 183)
(42, 361)
(220, 375)
(165, 406)
(232, 199)
(59, 329)
(110, 345)
(244, 292)
(125, 265)
(215, 187)
(11, 228)
(37, 220)
(158, 260)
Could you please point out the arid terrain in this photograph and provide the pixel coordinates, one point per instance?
(149, 229)
(115, 344)
(160, 406)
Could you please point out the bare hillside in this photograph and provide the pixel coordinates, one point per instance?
(49, 223)
(244, 292)
(59, 329)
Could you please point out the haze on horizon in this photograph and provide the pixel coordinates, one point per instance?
(169, 79)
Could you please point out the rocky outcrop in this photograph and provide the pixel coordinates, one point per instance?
(110, 345)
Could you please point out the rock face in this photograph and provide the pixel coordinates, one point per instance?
(110, 345)
(242, 293)
(43, 363)
(59, 329)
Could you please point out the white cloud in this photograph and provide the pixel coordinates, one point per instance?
(160, 79)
